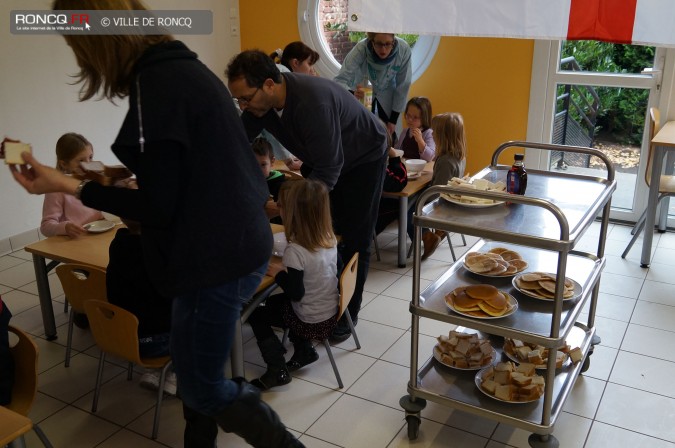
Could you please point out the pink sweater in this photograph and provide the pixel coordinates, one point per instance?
(60, 208)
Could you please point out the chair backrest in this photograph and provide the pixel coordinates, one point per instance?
(291, 175)
(654, 126)
(348, 283)
(115, 329)
(81, 282)
(25, 355)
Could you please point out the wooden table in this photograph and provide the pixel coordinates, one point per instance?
(664, 142)
(411, 190)
(90, 249)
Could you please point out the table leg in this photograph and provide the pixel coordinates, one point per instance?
(665, 202)
(402, 230)
(650, 217)
(40, 266)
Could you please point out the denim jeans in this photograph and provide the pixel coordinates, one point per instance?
(202, 328)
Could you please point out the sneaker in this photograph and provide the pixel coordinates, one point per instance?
(170, 383)
(150, 380)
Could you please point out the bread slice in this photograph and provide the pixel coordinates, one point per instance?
(13, 152)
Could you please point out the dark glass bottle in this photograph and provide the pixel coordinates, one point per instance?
(516, 178)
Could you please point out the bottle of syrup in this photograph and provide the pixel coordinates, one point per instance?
(516, 178)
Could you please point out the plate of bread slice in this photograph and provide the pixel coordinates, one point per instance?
(541, 285)
(511, 383)
(466, 200)
(497, 262)
(520, 351)
(481, 301)
(464, 351)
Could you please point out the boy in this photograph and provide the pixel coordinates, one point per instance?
(263, 151)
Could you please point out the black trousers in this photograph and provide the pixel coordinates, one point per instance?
(354, 202)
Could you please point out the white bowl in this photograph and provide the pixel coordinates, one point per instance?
(280, 244)
(415, 165)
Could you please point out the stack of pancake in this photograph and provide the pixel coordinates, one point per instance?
(542, 285)
(479, 301)
(499, 261)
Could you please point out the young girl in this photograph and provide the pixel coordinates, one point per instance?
(448, 131)
(417, 140)
(63, 214)
(308, 277)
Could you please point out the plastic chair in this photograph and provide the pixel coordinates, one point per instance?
(80, 283)
(666, 182)
(15, 422)
(347, 286)
(115, 331)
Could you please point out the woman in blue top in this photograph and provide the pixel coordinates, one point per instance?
(385, 60)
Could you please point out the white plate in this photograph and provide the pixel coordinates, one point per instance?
(279, 244)
(414, 176)
(99, 226)
(515, 359)
(478, 379)
(469, 204)
(513, 303)
(577, 289)
(437, 356)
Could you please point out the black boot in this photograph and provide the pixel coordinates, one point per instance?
(276, 374)
(303, 354)
(253, 419)
(200, 430)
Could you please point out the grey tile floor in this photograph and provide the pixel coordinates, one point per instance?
(625, 399)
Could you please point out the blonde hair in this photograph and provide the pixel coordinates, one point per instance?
(69, 146)
(107, 61)
(306, 214)
(449, 135)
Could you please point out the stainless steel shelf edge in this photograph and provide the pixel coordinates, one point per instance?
(457, 389)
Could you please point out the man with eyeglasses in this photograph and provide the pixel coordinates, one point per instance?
(340, 143)
(384, 60)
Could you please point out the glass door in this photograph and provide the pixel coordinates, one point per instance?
(598, 95)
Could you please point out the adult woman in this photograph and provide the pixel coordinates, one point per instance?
(180, 135)
(297, 57)
(384, 60)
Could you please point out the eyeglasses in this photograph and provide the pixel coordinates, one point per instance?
(383, 45)
(243, 100)
(412, 117)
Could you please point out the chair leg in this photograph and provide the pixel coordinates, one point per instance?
(452, 249)
(377, 247)
(65, 306)
(99, 379)
(69, 342)
(41, 435)
(463, 240)
(160, 396)
(352, 329)
(130, 371)
(640, 221)
(635, 237)
(19, 442)
(332, 362)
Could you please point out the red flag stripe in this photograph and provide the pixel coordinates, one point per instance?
(606, 20)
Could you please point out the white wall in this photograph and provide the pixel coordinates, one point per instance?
(37, 104)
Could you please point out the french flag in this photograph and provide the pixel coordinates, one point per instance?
(645, 22)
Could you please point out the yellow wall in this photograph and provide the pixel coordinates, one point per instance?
(486, 80)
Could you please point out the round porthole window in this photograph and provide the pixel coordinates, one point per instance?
(323, 26)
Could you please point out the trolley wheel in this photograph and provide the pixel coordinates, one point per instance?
(413, 426)
(586, 365)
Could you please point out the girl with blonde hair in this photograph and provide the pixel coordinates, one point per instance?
(307, 275)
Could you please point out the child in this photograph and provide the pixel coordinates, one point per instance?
(129, 287)
(63, 214)
(308, 277)
(417, 141)
(448, 132)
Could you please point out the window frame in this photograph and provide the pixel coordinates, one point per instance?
(311, 33)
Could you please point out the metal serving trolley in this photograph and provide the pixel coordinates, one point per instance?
(544, 226)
